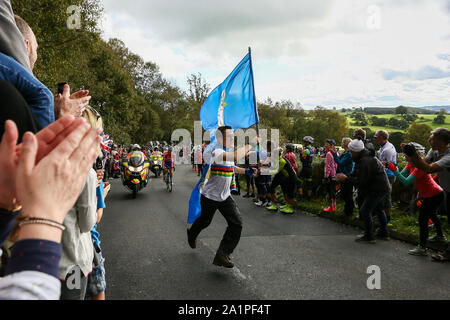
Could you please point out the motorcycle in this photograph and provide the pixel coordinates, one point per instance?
(135, 172)
(156, 166)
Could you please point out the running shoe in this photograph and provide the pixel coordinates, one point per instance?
(365, 239)
(223, 261)
(273, 207)
(419, 251)
(437, 238)
(259, 203)
(267, 204)
(287, 210)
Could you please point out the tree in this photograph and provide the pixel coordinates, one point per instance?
(410, 117)
(396, 138)
(323, 124)
(398, 123)
(379, 122)
(418, 133)
(198, 89)
(360, 118)
(440, 118)
(401, 110)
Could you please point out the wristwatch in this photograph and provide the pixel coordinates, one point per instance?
(14, 207)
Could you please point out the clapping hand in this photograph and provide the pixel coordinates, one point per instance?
(71, 104)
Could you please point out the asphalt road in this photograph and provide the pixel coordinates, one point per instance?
(279, 257)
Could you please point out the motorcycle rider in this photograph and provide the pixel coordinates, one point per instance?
(137, 148)
(156, 156)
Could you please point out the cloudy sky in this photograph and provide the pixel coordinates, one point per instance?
(321, 52)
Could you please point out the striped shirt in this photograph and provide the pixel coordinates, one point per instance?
(217, 186)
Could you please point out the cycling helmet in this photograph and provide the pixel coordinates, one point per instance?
(136, 146)
(308, 139)
(419, 148)
(170, 149)
(290, 147)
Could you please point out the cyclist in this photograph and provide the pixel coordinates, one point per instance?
(305, 175)
(290, 155)
(286, 178)
(168, 162)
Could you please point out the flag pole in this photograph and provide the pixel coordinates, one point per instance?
(254, 102)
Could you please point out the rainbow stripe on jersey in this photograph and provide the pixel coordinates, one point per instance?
(222, 171)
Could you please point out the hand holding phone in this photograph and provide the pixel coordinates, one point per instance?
(61, 87)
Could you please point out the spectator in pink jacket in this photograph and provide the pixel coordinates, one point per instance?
(330, 173)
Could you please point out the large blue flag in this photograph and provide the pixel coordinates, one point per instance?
(232, 103)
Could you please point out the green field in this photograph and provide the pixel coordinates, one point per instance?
(427, 119)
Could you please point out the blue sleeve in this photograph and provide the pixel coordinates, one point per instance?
(38, 97)
(100, 192)
(341, 161)
(35, 255)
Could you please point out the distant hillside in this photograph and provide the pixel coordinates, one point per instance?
(418, 110)
(437, 108)
(382, 110)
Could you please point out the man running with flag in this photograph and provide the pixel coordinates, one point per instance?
(216, 195)
(230, 106)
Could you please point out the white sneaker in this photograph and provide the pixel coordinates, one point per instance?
(267, 204)
(259, 203)
(419, 251)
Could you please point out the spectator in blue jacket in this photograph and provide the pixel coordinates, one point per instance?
(38, 97)
(345, 166)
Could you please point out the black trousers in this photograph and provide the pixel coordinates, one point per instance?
(330, 186)
(230, 212)
(347, 196)
(428, 210)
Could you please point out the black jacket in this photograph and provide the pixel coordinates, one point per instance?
(369, 175)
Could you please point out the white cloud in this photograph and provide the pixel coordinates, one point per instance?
(307, 51)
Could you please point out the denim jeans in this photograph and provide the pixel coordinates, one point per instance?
(373, 204)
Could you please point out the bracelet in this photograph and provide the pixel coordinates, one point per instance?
(52, 223)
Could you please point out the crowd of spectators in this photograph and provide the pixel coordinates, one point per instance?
(51, 193)
(364, 177)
